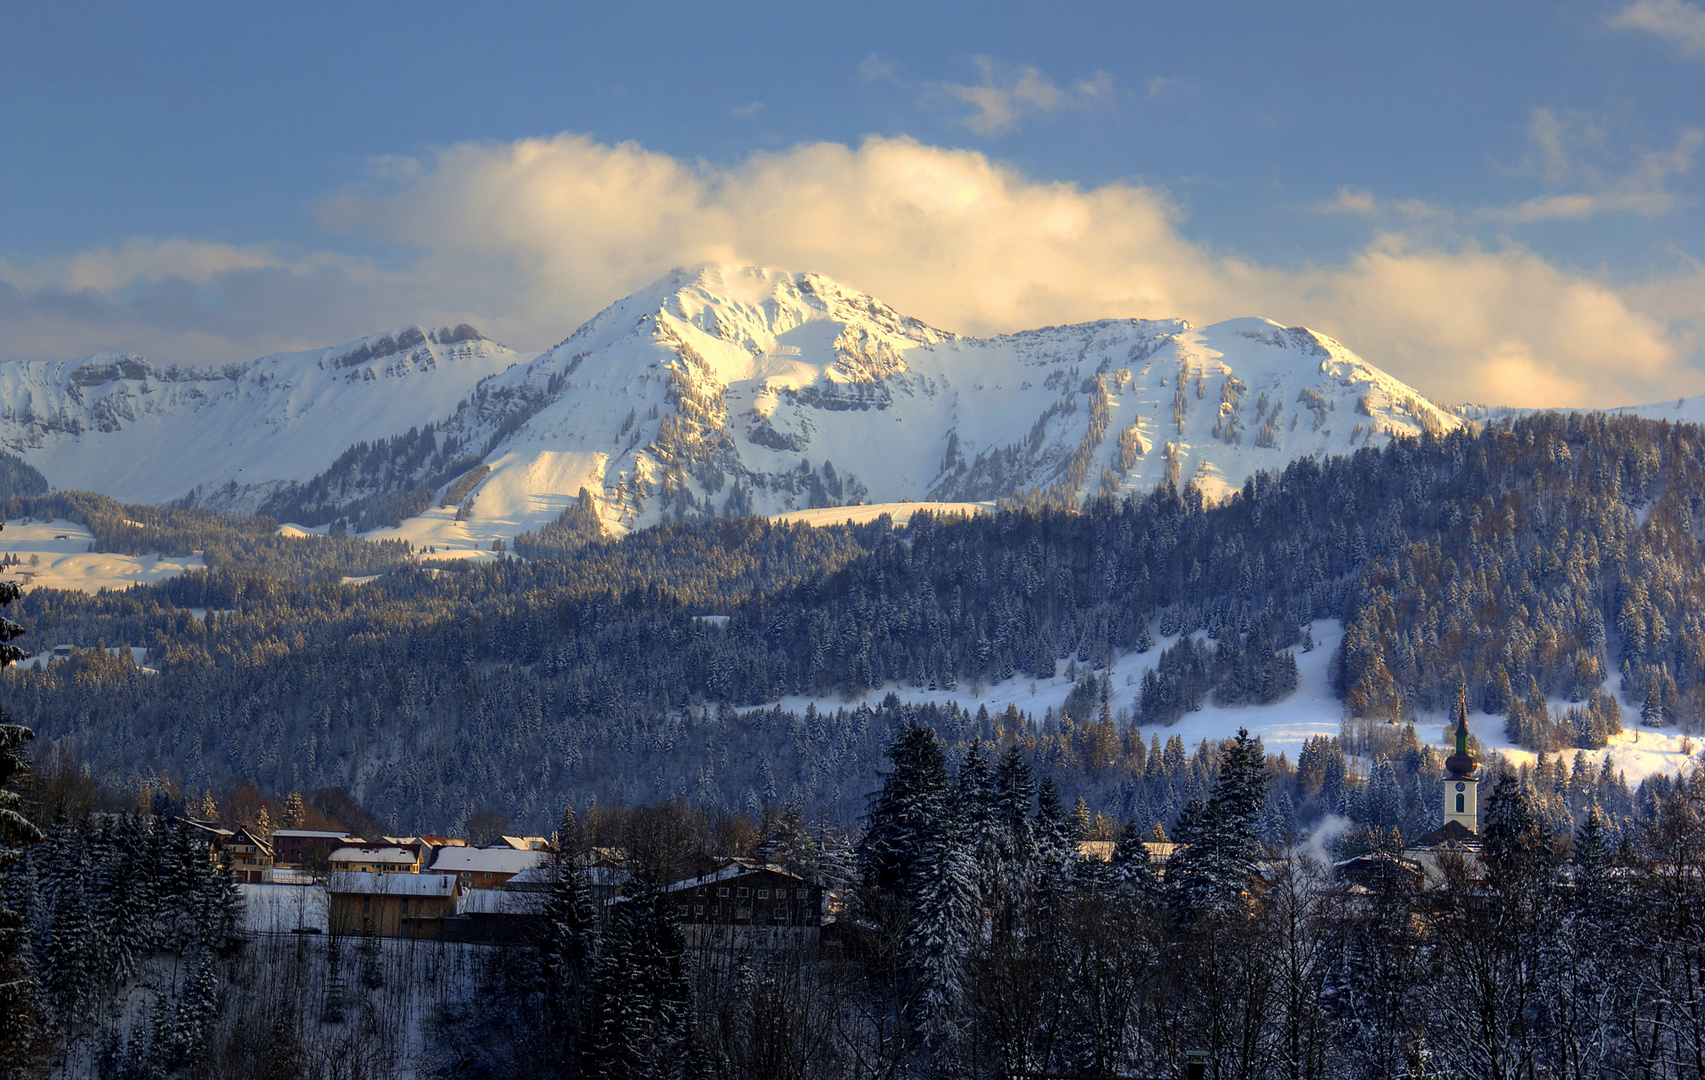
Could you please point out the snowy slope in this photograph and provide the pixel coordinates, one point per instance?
(150, 433)
(732, 388)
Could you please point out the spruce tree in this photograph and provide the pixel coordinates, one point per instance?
(1015, 791)
(17, 983)
(1221, 845)
(943, 915)
(568, 946)
(909, 810)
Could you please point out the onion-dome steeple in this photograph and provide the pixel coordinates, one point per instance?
(1462, 763)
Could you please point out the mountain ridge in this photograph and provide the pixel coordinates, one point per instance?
(717, 389)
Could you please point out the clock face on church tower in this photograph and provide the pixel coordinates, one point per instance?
(1461, 787)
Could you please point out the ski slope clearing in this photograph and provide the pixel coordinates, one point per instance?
(1286, 725)
(64, 561)
(1283, 726)
(901, 512)
(437, 534)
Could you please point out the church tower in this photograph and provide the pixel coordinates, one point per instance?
(1462, 774)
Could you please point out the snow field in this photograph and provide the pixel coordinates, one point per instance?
(1283, 726)
(901, 512)
(67, 563)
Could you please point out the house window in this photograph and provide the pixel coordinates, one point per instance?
(781, 914)
(722, 891)
(698, 909)
(763, 894)
(1459, 804)
(405, 905)
(744, 891)
(683, 909)
(700, 891)
(366, 905)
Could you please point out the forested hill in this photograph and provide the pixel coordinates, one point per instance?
(1542, 555)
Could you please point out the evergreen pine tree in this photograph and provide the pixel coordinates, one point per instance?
(979, 814)
(911, 807)
(331, 1008)
(1132, 866)
(372, 976)
(1015, 791)
(568, 948)
(1221, 846)
(17, 983)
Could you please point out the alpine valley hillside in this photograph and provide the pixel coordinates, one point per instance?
(724, 390)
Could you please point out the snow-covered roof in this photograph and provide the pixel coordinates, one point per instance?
(503, 860)
(308, 834)
(501, 902)
(731, 869)
(526, 843)
(387, 855)
(378, 883)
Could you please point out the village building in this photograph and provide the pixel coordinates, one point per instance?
(390, 904)
(486, 868)
(1102, 851)
(382, 860)
(605, 869)
(305, 848)
(501, 916)
(743, 892)
(251, 857)
(1424, 863)
(207, 832)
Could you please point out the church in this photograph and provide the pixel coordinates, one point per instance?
(1461, 790)
(1458, 836)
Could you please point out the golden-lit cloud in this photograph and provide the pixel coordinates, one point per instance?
(971, 245)
(529, 238)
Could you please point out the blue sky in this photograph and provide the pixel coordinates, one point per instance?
(1498, 202)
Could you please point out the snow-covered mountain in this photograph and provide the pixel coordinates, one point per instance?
(737, 388)
(715, 390)
(147, 432)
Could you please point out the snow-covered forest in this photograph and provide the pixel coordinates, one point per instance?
(975, 936)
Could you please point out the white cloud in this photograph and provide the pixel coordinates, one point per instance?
(1163, 87)
(1358, 203)
(875, 69)
(1007, 94)
(1573, 151)
(1681, 24)
(749, 111)
(527, 239)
